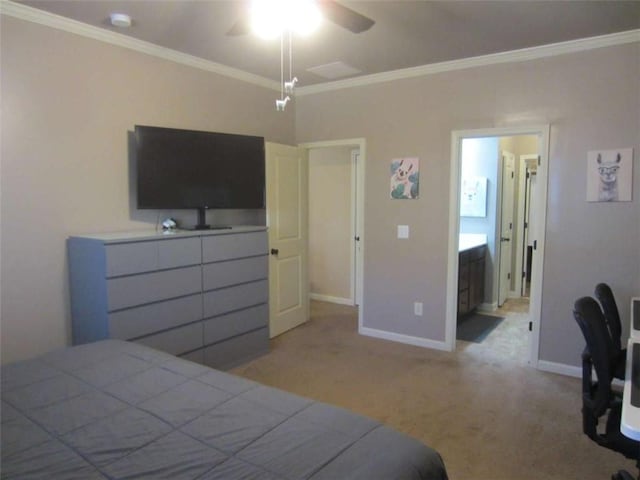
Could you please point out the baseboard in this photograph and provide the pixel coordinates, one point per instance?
(330, 299)
(400, 338)
(560, 368)
(570, 371)
(488, 307)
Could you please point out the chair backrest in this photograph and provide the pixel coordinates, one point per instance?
(591, 320)
(607, 300)
(598, 399)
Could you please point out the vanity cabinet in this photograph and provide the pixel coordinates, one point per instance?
(471, 268)
(201, 295)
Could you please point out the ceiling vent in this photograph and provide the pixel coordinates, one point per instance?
(332, 71)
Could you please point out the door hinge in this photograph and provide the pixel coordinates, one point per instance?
(531, 326)
(509, 276)
(526, 224)
(511, 174)
(539, 160)
(524, 274)
(535, 244)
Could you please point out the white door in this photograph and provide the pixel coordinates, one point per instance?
(287, 208)
(506, 226)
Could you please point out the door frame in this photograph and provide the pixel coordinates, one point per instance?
(497, 277)
(357, 212)
(523, 192)
(535, 304)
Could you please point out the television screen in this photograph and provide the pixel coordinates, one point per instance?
(194, 169)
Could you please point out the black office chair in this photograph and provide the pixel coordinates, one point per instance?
(598, 398)
(622, 475)
(610, 309)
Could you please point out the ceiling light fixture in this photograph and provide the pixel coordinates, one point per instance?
(273, 18)
(121, 20)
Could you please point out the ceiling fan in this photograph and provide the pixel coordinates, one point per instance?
(331, 10)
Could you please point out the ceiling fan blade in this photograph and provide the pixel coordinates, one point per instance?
(345, 17)
(241, 27)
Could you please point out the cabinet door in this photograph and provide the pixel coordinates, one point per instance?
(463, 283)
(476, 278)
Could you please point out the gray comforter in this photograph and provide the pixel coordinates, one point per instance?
(115, 409)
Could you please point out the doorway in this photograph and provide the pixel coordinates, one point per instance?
(499, 219)
(336, 220)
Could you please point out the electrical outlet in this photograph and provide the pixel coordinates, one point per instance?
(417, 308)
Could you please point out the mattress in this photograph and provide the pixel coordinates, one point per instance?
(114, 409)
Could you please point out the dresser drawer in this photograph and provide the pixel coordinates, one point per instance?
(229, 299)
(146, 288)
(232, 272)
(195, 356)
(144, 320)
(224, 247)
(176, 341)
(236, 323)
(139, 257)
(239, 349)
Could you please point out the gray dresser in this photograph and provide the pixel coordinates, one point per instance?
(200, 295)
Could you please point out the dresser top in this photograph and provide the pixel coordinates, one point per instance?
(141, 235)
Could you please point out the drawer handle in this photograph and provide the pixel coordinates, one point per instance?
(274, 251)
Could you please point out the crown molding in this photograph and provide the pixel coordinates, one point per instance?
(30, 14)
(524, 54)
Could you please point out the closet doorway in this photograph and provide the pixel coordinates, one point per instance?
(336, 199)
(502, 162)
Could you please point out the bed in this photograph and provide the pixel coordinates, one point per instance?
(115, 409)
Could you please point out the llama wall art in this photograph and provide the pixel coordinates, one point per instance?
(609, 175)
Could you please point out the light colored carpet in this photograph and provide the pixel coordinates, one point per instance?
(489, 415)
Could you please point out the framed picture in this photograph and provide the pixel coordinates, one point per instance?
(405, 173)
(473, 197)
(609, 175)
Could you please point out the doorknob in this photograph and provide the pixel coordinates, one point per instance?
(504, 239)
(274, 251)
(357, 239)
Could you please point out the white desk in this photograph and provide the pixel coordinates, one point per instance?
(635, 318)
(630, 422)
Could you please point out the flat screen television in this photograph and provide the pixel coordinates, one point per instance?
(180, 169)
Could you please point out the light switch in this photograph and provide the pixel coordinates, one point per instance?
(403, 231)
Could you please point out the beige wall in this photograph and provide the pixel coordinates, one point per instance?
(67, 105)
(591, 101)
(330, 222)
